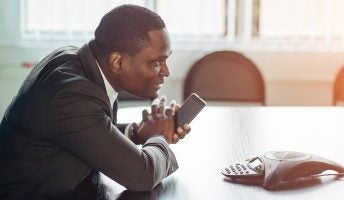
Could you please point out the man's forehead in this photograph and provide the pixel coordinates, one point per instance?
(159, 45)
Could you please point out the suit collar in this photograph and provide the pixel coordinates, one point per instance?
(92, 70)
(90, 65)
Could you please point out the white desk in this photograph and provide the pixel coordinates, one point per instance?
(225, 135)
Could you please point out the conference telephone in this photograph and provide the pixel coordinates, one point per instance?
(277, 167)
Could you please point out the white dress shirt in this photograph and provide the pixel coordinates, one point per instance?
(113, 94)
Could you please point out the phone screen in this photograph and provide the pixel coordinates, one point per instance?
(189, 109)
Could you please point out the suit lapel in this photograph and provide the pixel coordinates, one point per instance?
(90, 66)
(92, 71)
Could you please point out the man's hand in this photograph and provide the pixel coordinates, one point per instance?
(159, 122)
(181, 131)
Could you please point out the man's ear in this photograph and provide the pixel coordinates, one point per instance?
(115, 62)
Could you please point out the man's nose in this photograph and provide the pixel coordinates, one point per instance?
(164, 71)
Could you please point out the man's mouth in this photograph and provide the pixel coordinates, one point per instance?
(157, 87)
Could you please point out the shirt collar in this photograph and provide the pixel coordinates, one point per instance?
(111, 93)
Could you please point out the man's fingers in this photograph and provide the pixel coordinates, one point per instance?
(135, 126)
(176, 107)
(181, 133)
(154, 108)
(162, 105)
(169, 112)
(173, 104)
(145, 115)
(187, 128)
(175, 138)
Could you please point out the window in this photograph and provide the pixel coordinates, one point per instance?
(194, 17)
(65, 19)
(313, 19)
(77, 19)
(220, 23)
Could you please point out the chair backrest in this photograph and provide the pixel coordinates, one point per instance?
(338, 88)
(225, 76)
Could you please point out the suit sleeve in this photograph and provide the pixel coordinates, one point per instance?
(77, 118)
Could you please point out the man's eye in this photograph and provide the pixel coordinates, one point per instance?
(156, 63)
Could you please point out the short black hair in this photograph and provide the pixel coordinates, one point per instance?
(125, 29)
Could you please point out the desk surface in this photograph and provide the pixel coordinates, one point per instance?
(225, 135)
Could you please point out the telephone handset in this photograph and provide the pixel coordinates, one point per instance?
(276, 167)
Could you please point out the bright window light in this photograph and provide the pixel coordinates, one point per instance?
(70, 19)
(194, 17)
(65, 17)
(301, 18)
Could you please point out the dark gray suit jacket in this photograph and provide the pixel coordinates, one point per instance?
(59, 129)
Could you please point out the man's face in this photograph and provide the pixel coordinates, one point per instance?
(144, 72)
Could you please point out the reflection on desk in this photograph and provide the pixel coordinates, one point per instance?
(225, 135)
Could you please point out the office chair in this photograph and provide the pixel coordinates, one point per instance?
(338, 89)
(225, 76)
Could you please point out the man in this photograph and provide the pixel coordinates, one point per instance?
(60, 131)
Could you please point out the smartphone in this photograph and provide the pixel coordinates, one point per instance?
(188, 110)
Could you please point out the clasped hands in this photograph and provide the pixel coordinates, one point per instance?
(160, 122)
